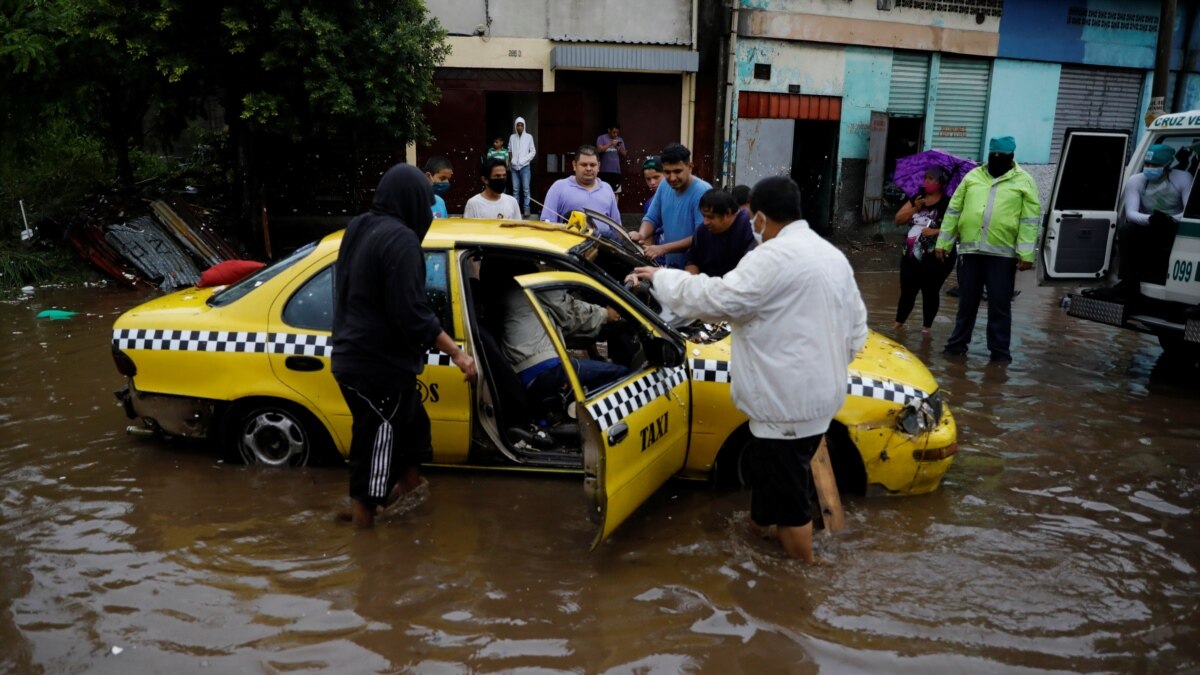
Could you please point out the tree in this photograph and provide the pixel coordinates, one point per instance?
(292, 71)
(284, 70)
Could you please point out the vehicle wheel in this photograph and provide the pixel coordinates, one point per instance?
(731, 470)
(272, 433)
(848, 467)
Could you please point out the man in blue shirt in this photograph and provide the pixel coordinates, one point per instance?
(667, 228)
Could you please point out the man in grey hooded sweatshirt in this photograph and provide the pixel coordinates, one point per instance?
(520, 144)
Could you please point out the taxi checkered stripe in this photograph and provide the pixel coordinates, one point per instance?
(884, 390)
(712, 370)
(298, 344)
(620, 403)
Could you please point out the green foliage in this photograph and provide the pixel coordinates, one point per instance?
(51, 169)
(301, 69)
(20, 266)
(85, 81)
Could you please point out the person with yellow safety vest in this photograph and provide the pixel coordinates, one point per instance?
(993, 217)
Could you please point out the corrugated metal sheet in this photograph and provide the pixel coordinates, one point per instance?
(910, 84)
(1095, 98)
(759, 104)
(644, 59)
(960, 110)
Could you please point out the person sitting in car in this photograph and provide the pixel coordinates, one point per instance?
(531, 352)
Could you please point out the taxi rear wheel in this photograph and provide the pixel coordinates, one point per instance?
(272, 433)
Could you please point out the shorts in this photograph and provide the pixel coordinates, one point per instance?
(781, 480)
(390, 433)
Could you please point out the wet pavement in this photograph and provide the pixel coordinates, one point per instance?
(1065, 537)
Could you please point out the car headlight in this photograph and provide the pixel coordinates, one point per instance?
(920, 415)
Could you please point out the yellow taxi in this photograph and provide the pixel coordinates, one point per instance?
(248, 365)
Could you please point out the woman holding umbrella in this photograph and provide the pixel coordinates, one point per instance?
(921, 271)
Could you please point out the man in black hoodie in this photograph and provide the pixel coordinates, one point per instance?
(382, 328)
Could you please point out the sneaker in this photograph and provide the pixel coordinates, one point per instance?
(1000, 358)
(950, 351)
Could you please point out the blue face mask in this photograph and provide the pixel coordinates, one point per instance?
(1152, 173)
(440, 189)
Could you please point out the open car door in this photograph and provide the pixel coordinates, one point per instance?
(635, 429)
(1081, 218)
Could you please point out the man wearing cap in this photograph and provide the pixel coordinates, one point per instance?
(1154, 199)
(993, 217)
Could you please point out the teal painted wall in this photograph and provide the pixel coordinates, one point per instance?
(1021, 105)
(866, 87)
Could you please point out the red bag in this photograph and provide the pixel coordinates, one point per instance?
(228, 272)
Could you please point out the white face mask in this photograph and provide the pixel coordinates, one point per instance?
(758, 234)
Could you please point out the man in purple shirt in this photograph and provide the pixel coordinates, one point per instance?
(581, 191)
(612, 151)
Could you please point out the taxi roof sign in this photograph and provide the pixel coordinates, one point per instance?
(1181, 121)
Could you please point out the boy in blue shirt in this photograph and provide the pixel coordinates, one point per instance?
(439, 171)
(667, 228)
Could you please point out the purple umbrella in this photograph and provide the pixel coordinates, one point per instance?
(910, 171)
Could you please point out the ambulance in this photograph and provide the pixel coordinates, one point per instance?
(1079, 235)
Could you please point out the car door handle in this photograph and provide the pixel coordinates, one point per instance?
(1072, 214)
(304, 364)
(617, 433)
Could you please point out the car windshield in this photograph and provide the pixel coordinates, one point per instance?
(241, 288)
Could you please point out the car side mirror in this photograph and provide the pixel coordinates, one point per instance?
(664, 353)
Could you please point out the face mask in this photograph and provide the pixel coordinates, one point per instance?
(931, 186)
(497, 184)
(998, 165)
(441, 189)
(1152, 174)
(758, 234)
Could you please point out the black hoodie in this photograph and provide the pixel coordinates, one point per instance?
(382, 324)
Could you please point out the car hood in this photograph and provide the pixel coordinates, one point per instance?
(881, 358)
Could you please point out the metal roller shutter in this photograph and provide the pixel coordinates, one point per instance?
(910, 84)
(960, 110)
(1095, 98)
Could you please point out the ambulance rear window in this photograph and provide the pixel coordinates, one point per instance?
(242, 288)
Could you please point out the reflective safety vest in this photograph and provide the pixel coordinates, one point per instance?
(995, 216)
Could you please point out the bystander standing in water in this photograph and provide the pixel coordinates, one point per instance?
(382, 327)
(798, 323)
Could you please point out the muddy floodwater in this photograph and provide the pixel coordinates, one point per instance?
(1065, 537)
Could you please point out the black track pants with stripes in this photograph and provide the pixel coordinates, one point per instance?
(390, 433)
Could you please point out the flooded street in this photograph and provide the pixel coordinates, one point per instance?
(1065, 536)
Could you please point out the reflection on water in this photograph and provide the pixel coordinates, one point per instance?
(1064, 538)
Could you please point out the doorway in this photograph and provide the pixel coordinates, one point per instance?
(814, 153)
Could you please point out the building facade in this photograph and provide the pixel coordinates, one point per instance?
(571, 69)
(833, 92)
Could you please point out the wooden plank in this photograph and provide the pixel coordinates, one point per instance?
(827, 490)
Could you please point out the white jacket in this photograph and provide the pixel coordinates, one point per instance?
(521, 146)
(798, 323)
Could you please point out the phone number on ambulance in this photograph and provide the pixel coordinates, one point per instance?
(1182, 270)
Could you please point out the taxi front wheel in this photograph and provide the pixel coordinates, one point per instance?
(272, 433)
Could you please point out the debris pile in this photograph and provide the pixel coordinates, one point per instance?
(167, 249)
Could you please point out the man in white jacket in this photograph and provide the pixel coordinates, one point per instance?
(798, 323)
(520, 144)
